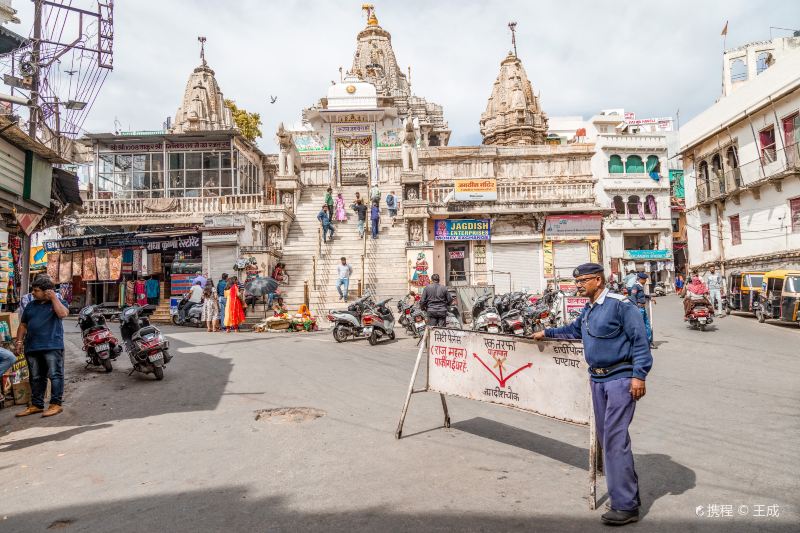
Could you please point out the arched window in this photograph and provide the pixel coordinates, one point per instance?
(653, 164)
(718, 172)
(619, 205)
(703, 176)
(738, 70)
(763, 62)
(634, 164)
(650, 207)
(615, 165)
(634, 205)
(732, 157)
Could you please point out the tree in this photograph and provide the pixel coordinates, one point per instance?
(248, 123)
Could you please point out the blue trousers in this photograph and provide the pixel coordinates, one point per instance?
(7, 360)
(222, 311)
(327, 232)
(343, 282)
(375, 227)
(44, 365)
(613, 413)
(647, 327)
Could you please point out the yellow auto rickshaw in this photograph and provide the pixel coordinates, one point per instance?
(780, 296)
(743, 290)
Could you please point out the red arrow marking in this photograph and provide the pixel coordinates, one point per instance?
(502, 380)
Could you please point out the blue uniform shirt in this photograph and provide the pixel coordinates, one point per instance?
(613, 332)
(637, 294)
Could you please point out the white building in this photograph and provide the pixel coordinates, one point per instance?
(741, 164)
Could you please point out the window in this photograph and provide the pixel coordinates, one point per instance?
(619, 205)
(615, 165)
(763, 62)
(653, 164)
(634, 164)
(738, 70)
(736, 232)
(130, 176)
(794, 208)
(635, 206)
(650, 207)
(766, 139)
(791, 137)
(196, 174)
(704, 183)
(706, 231)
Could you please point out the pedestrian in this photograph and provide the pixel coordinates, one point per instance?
(41, 336)
(341, 214)
(391, 205)
(221, 286)
(715, 285)
(434, 302)
(234, 307)
(28, 297)
(375, 219)
(375, 195)
(344, 271)
(679, 283)
(619, 359)
(329, 202)
(202, 279)
(324, 218)
(7, 360)
(640, 298)
(194, 297)
(361, 211)
(629, 280)
(210, 309)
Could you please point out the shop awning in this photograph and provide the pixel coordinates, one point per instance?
(66, 184)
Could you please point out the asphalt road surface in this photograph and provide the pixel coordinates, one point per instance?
(717, 433)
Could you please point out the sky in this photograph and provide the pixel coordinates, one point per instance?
(652, 58)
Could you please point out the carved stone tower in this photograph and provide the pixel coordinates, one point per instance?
(513, 115)
(203, 107)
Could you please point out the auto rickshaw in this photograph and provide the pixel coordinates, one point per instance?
(780, 296)
(743, 290)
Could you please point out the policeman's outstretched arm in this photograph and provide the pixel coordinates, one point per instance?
(642, 358)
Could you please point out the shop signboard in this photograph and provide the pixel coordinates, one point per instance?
(174, 243)
(475, 190)
(573, 226)
(109, 240)
(462, 230)
(647, 255)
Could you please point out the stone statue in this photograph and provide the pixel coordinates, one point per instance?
(415, 231)
(288, 200)
(286, 159)
(411, 193)
(274, 237)
(408, 152)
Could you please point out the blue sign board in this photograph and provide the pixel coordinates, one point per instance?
(648, 255)
(461, 230)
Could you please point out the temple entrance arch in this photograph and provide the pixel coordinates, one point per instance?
(354, 160)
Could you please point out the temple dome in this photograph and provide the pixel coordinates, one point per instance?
(513, 115)
(352, 93)
(203, 107)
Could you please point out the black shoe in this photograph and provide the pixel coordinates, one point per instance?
(620, 518)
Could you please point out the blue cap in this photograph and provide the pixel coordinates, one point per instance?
(587, 268)
(641, 275)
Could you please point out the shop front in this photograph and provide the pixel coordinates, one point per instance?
(462, 245)
(657, 263)
(516, 254)
(570, 240)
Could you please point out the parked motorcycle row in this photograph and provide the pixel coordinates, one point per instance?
(146, 347)
(516, 313)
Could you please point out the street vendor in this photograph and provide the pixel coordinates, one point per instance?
(618, 354)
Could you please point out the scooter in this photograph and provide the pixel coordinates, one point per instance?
(512, 323)
(378, 321)
(347, 322)
(147, 348)
(485, 317)
(193, 317)
(701, 314)
(453, 318)
(660, 289)
(100, 345)
(411, 318)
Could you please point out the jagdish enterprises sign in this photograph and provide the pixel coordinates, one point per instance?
(462, 230)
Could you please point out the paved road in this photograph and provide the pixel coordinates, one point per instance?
(719, 426)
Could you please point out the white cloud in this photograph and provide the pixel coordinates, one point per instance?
(649, 57)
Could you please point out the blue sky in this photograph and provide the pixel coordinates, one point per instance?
(649, 57)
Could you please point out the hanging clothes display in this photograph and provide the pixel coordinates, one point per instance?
(102, 262)
(141, 294)
(127, 261)
(114, 263)
(143, 264)
(65, 269)
(66, 292)
(77, 263)
(52, 265)
(89, 267)
(130, 292)
(137, 260)
(155, 263)
(153, 290)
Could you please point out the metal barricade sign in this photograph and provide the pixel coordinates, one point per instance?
(548, 378)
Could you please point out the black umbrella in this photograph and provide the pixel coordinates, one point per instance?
(260, 287)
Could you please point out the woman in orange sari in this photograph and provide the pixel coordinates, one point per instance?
(234, 311)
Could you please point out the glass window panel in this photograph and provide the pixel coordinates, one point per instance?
(210, 160)
(157, 180)
(226, 192)
(106, 163)
(210, 192)
(194, 160)
(123, 163)
(176, 179)
(157, 194)
(176, 193)
(192, 193)
(141, 162)
(123, 181)
(226, 178)
(141, 181)
(157, 162)
(211, 178)
(226, 160)
(193, 179)
(175, 161)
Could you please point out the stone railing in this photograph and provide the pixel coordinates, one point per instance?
(104, 207)
(524, 192)
(637, 141)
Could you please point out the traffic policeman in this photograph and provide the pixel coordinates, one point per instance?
(618, 354)
(640, 298)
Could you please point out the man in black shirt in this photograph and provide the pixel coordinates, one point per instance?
(361, 209)
(434, 301)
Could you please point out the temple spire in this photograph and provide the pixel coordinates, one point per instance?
(202, 50)
(513, 27)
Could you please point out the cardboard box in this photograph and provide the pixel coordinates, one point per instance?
(12, 319)
(22, 393)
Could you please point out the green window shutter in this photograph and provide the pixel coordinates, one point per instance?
(615, 165)
(634, 164)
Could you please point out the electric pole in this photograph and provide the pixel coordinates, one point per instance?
(35, 53)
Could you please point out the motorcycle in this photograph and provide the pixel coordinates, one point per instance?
(192, 317)
(660, 289)
(147, 348)
(99, 343)
(453, 319)
(513, 323)
(412, 318)
(347, 322)
(378, 321)
(485, 317)
(701, 314)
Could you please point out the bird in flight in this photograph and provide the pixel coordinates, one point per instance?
(272, 99)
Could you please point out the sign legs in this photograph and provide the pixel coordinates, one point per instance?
(446, 414)
(423, 347)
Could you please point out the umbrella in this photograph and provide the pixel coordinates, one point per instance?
(260, 287)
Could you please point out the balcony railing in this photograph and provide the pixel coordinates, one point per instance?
(523, 192)
(641, 141)
(102, 207)
(726, 181)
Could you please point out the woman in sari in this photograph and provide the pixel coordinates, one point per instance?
(341, 214)
(234, 310)
(696, 293)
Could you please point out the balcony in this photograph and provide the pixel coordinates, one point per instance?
(633, 142)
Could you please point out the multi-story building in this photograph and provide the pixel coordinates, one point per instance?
(741, 163)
